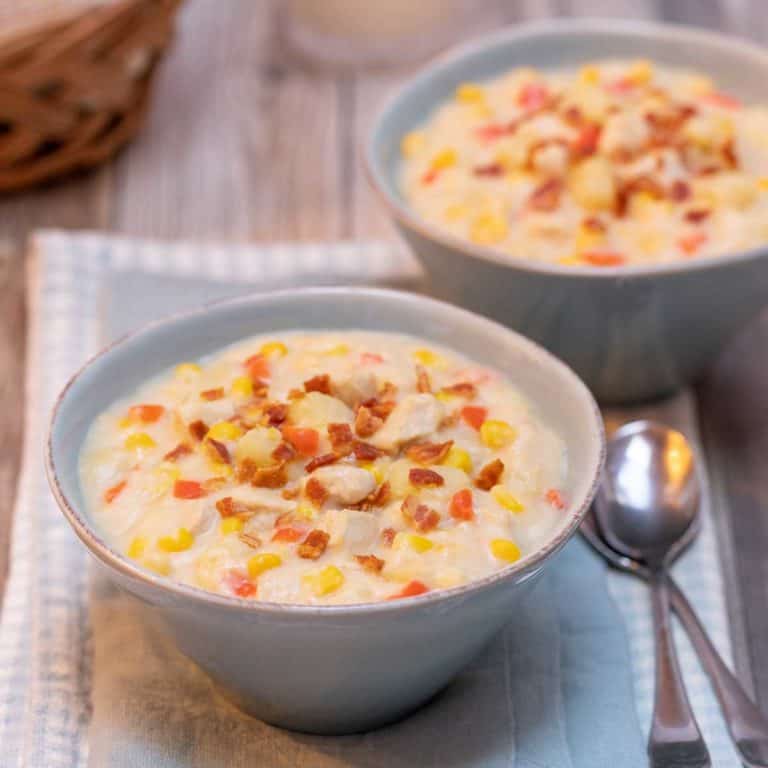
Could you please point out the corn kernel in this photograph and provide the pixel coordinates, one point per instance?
(488, 229)
(505, 499)
(444, 159)
(569, 261)
(417, 543)
(700, 85)
(157, 562)
(338, 350)
(139, 441)
(273, 349)
(224, 430)
(428, 357)
(220, 469)
(137, 547)
(762, 183)
(306, 511)
(459, 458)
(186, 370)
(165, 475)
(589, 75)
(412, 143)
(264, 561)
(470, 93)
(242, 386)
(376, 470)
(456, 212)
(445, 397)
(496, 434)
(231, 525)
(586, 239)
(125, 422)
(326, 581)
(183, 540)
(640, 72)
(504, 549)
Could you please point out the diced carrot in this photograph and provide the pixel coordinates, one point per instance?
(603, 258)
(430, 176)
(305, 441)
(257, 367)
(622, 85)
(112, 493)
(411, 589)
(720, 99)
(555, 498)
(689, 244)
(370, 358)
(188, 489)
(240, 584)
(474, 415)
(460, 506)
(587, 139)
(145, 413)
(288, 534)
(533, 96)
(491, 132)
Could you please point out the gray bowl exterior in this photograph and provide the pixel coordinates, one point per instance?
(337, 669)
(630, 333)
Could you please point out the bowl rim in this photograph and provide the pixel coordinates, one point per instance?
(548, 28)
(115, 560)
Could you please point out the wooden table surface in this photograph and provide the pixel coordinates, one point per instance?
(244, 143)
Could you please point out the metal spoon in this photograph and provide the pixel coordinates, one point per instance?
(745, 722)
(646, 509)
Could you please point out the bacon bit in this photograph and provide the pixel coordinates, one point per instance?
(423, 383)
(182, 449)
(249, 539)
(573, 116)
(420, 516)
(720, 99)
(257, 367)
(212, 394)
(366, 451)
(246, 471)
(411, 589)
(640, 184)
(379, 406)
(697, 215)
(296, 394)
(546, 197)
(424, 477)
(460, 506)
(213, 484)
(593, 224)
(306, 441)
(282, 520)
(198, 429)
(315, 491)
(276, 414)
(474, 415)
(555, 498)
(146, 413)
(321, 461)
(449, 421)
(430, 176)
(371, 563)
(314, 545)
(387, 392)
(289, 493)
(219, 451)
(370, 358)
(288, 534)
(320, 383)
(586, 141)
(603, 258)
(240, 584)
(490, 170)
(342, 439)
(226, 506)
(680, 191)
(377, 498)
(533, 96)
(270, 477)
(112, 493)
(729, 155)
(284, 452)
(428, 453)
(493, 132)
(689, 244)
(188, 489)
(489, 475)
(388, 536)
(462, 389)
(366, 424)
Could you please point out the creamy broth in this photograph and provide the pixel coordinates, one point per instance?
(325, 468)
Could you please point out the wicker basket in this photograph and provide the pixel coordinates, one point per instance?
(74, 87)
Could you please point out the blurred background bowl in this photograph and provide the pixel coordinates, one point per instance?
(631, 333)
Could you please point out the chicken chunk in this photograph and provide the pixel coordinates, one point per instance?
(353, 529)
(414, 416)
(345, 484)
(356, 388)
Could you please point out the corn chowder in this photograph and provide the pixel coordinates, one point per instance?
(325, 468)
(615, 163)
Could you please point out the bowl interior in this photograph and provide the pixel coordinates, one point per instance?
(559, 396)
(738, 67)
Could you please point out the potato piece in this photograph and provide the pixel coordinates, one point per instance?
(355, 530)
(355, 388)
(592, 184)
(414, 416)
(318, 410)
(257, 445)
(345, 484)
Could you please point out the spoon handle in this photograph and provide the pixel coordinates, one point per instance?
(675, 740)
(746, 723)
